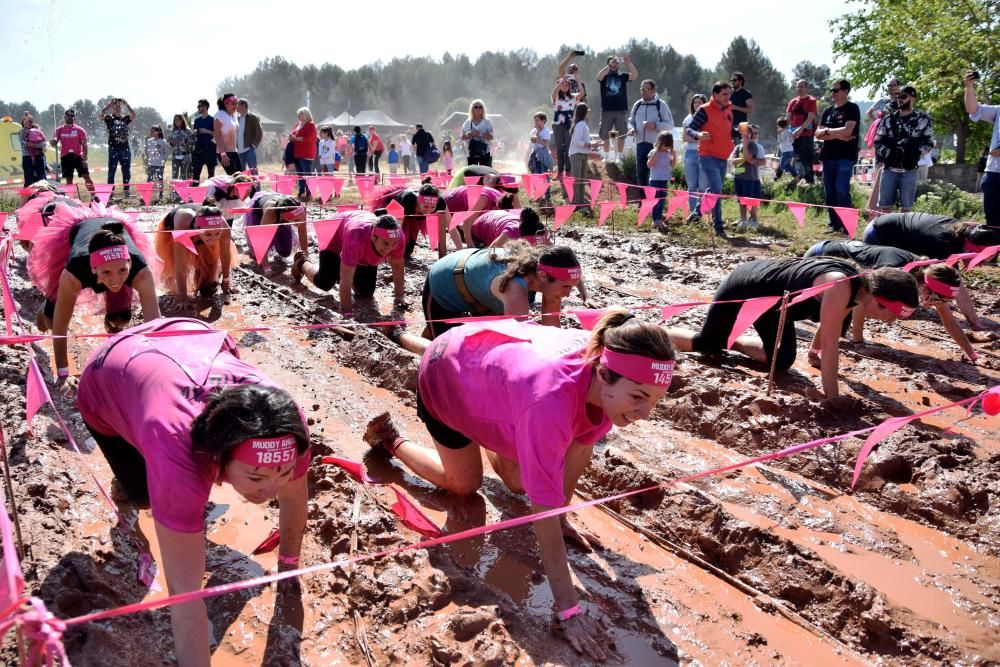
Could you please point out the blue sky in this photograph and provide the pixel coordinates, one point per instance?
(168, 54)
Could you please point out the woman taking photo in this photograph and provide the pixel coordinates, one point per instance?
(183, 274)
(563, 104)
(478, 131)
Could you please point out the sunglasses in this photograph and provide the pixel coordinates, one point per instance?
(477, 107)
(835, 90)
(902, 98)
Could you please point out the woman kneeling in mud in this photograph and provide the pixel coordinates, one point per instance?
(210, 236)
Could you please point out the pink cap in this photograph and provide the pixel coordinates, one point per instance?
(427, 199)
(638, 368)
(109, 254)
(940, 288)
(266, 452)
(566, 273)
(209, 222)
(386, 233)
(896, 307)
(294, 212)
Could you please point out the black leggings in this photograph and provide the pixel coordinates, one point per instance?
(433, 311)
(719, 322)
(127, 463)
(329, 275)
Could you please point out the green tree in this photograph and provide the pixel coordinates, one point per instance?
(928, 45)
(818, 76)
(768, 85)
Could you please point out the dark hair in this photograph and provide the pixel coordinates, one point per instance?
(446, 147)
(949, 275)
(184, 122)
(522, 260)
(579, 113)
(233, 414)
(203, 103)
(693, 98)
(530, 223)
(738, 75)
(981, 235)
(782, 122)
(110, 234)
(327, 129)
(425, 180)
(665, 138)
(158, 130)
(542, 116)
(894, 285)
(843, 84)
(357, 129)
(506, 201)
(648, 82)
(386, 221)
(621, 331)
(719, 86)
(418, 126)
(429, 190)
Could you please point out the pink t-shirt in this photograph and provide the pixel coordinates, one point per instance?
(353, 240)
(149, 391)
(457, 198)
(490, 225)
(517, 389)
(71, 139)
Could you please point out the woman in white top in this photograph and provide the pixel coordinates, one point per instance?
(579, 152)
(697, 182)
(563, 103)
(478, 131)
(226, 123)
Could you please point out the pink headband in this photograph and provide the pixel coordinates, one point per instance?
(895, 307)
(110, 254)
(385, 233)
(227, 98)
(567, 273)
(940, 288)
(209, 222)
(541, 238)
(638, 368)
(266, 452)
(427, 199)
(294, 212)
(972, 247)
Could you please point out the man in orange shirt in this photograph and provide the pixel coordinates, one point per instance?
(712, 127)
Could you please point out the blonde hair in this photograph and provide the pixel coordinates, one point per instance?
(305, 113)
(474, 103)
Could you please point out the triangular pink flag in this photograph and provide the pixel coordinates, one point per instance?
(312, 184)
(749, 202)
(648, 192)
(589, 317)
(646, 207)
(145, 191)
(849, 218)
(198, 194)
(677, 200)
(37, 392)
(528, 185)
(622, 192)
(881, 432)
(459, 217)
(595, 189)
(338, 185)
(433, 233)
(355, 469)
(568, 183)
(69, 189)
(325, 229)
(442, 180)
(285, 186)
(562, 214)
(269, 544)
(103, 192)
(810, 292)
(959, 257)
(798, 212)
(181, 188)
(749, 312)
(395, 209)
(540, 183)
(983, 255)
(666, 312)
(472, 180)
(412, 517)
(260, 237)
(472, 195)
(344, 208)
(365, 188)
(243, 189)
(708, 202)
(398, 181)
(919, 262)
(324, 188)
(186, 238)
(32, 223)
(606, 208)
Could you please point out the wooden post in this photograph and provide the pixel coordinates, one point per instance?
(777, 342)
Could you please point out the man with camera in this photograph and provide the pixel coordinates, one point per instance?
(119, 151)
(990, 183)
(614, 100)
(903, 137)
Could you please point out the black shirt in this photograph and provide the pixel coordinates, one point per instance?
(739, 99)
(422, 140)
(614, 93)
(834, 117)
(921, 233)
(79, 254)
(867, 255)
(117, 130)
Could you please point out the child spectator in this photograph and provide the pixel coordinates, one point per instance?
(747, 158)
(661, 163)
(448, 157)
(157, 150)
(786, 152)
(327, 151)
(393, 158)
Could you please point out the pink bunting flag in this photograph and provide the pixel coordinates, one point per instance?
(528, 185)
(269, 544)
(365, 188)
(312, 184)
(919, 262)
(708, 202)
(69, 189)
(395, 209)
(283, 185)
(355, 469)
(433, 233)
(243, 189)
(595, 189)
(849, 218)
(37, 392)
(260, 237)
(441, 180)
(810, 292)
(325, 230)
(568, 183)
(412, 517)
(562, 214)
(32, 223)
(145, 191)
(589, 317)
(749, 202)
(798, 212)
(344, 208)
(606, 208)
(472, 180)
(960, 257)
(472, 194)
(666, 312)
(398, 182)
(103, 192)
(648, 192)
(677, 200)
(983, 255)
(459, 217)
(750, 311)
(186, 238)
(181, 188)
(646, 207)
(541, 183)
(198, 194)
(11, 577)
(325, 188)
(881, 432)
(622, 192)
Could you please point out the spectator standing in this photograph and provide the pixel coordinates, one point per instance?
(304, 142)
(375, 148)
(348, 154)
(571, 72)
(393, 159)
(742, 102)
(226, 129)
(693, 173)
(712, 126)
(405, 151)
(157, 150)
(579, 151)
(447, 157)
(422, 142)
(883, 104)
(563, 103)
(786, 149)
(72, 142)
(33, 143)
(360, 143)
(478, 131)
(990, 182)
(119, 152)
(801, 114)
(182, 143)
(614, 101)
(747, 158)
(904, 136)
(204, 143)
(925, 164)
(838, 130)
(539, 155)
(249, 135)
(327, 151)
(649, 117)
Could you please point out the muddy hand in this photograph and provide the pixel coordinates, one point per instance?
(587, 540)
(67, 385)
(227, 287)
(587, 636)
(844, 404)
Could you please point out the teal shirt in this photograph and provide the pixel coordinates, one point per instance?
(480, 270)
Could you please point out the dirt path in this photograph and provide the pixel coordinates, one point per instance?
(776, 563)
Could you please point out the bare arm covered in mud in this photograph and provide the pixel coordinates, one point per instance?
(69, 290)
(292, 510)
(144, 284)
(832, 312)
(183, 557)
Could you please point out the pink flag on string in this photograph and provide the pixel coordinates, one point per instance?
(881, 432)
(562, 214)
(849, 218)
(433, 233)
(606, 208)
(541, 184)
(589, 317)
(983, 255)
(622, 192)
(344, 208)
(260, 237)
(269, 544)
(365, 188)
(284, 185)
(472, 194)
(568, 183)
(37, 392)
(595, 189)
(442, 180)
(323, 188)
(749, 202)
(959, 257)
(810, 292)
(186, 238)
(646, 207)
(325, 230)
(103, 192)
(412, 517)
(677, 200)
(32, 223)
(395, 209)
(919, 262)
(338, 185)
(355, 469)
(528, 185)
(145, 191)
(472, 180)
(798, 212)
(649, 192)
(666, 312)
(708, 202)
(243, 189)
(458, 217)
(69, 189)
(198, 194)
(312, 183)
(750, 311)
(181, 188)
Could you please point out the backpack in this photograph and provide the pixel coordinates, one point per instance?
(360, 143)
(659, 111)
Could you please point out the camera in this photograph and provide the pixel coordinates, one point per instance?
(578, 52)
(975, 75)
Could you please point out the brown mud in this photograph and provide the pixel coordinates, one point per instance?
(777, 563)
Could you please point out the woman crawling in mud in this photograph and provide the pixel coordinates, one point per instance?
(935, 236)
(940, 285)
(175, 415)
(489, 199)
(417, 203)
(216, 256)
(98, 249)
(536, 399)
(495, 229)
(268, 208)
(884, 294)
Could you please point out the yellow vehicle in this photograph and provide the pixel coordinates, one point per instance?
(10, 151)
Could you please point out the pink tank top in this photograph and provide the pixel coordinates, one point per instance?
(490, 225)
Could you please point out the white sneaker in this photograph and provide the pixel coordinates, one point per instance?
(753, 224)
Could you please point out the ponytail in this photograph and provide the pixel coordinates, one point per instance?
(110, 234)
(522, 260)
(620, 331)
